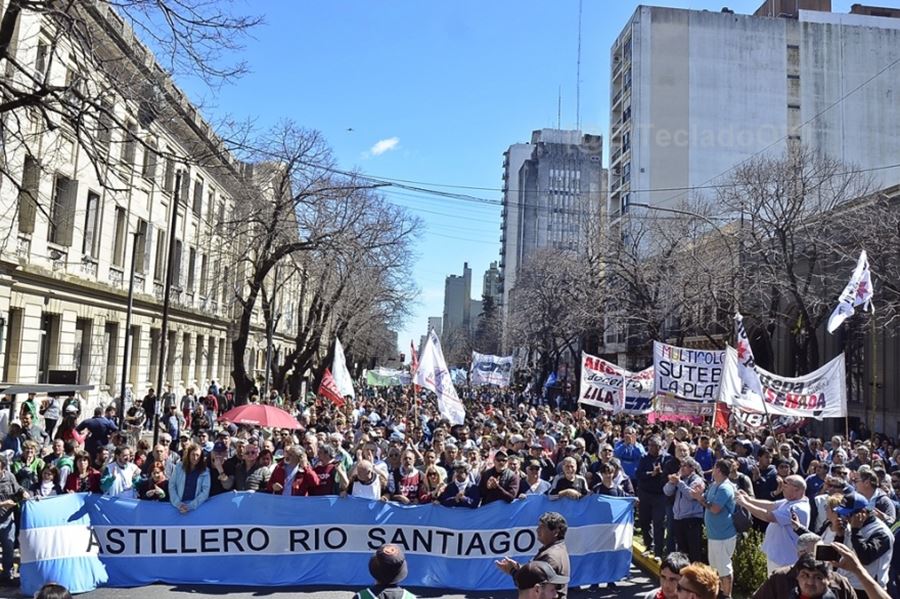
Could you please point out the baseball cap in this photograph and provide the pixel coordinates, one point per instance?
(534, 573)
(852, 503)
(219, 447)
(388, 565)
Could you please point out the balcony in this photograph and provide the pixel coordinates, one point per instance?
(23, 247)
(116, 277)
(89, 267)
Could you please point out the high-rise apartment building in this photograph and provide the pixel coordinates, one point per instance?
(694, 93)
(491, 284)
(457, 303)
(553, 190)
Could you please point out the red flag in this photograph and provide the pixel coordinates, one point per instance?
(329, 389)
(721, 420)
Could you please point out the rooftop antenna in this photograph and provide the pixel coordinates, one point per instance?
(559, 107)
(578, 75)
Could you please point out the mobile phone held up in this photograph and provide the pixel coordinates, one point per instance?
(827, 553)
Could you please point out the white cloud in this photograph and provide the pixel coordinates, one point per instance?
(384, 145)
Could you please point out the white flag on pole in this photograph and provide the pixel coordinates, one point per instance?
(339, 371)
(434, 375)
(857, 292)
(746, 363)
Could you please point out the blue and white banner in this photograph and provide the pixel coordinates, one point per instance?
(255, 539)
(491, 370)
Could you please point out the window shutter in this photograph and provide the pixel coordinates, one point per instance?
(66, 216)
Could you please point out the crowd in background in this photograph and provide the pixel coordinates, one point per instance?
(697, 489)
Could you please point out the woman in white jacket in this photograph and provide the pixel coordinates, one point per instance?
(189, 485)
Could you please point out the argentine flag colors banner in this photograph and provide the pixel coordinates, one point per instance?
(255, 539)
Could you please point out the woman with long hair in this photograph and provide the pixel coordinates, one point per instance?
(84, 478)
(189, 485)
(66, 430)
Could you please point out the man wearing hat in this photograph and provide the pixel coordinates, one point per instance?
(388, 568)
(537, 580)
(870, 538)
(499, 482)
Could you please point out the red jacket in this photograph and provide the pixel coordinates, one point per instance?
(93, 481)
(303, 483)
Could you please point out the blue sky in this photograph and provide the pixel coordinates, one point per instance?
(446, 86)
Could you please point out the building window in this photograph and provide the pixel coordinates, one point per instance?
(91, 222)
(141, 258)
(192, 263)
(203, 274)
(169, 178)
(149, 169)
(121, 230)
(41, 60)
(176, 265)
(62, 211)
(160, 266)
(198, 196)
(104, 127)
(129, 149)
(28, 194)
(185, 187)
(111, 337)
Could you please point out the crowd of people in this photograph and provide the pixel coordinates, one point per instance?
(697, 489)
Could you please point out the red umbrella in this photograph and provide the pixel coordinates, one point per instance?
(261, 415)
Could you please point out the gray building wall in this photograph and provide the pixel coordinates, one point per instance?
(694, 93)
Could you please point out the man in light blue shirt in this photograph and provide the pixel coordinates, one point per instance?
(780, 543)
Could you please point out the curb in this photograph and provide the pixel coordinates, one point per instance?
(645, 563)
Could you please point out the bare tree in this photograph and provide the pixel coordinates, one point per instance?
(555, 302)
(70, 68)
(670, 273)
(293, 203)
(793, 211)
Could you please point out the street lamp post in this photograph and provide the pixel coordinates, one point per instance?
(130, 307)
(164, 329)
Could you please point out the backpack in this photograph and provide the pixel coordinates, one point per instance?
(741, 519)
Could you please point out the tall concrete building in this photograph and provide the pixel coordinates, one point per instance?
(553, 191)
(694, 93)
(491, 284)
(457, 303)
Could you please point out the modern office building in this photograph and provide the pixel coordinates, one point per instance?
(554, 190)
(694, 93)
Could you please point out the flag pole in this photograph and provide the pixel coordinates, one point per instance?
(874, 374)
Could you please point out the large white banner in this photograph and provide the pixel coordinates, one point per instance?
(491, 370)
(819, 394)
(687, 380)
(612, 388)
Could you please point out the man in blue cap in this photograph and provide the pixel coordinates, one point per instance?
(870, 538)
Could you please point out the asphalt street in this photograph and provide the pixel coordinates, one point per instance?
(637, 585)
